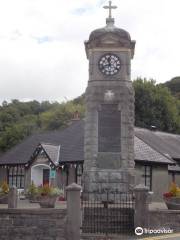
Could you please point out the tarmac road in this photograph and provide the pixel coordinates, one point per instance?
(175, 236)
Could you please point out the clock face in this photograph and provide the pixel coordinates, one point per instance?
(109, 64)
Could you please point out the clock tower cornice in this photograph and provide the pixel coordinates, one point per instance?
(110, 37)
(90, 51)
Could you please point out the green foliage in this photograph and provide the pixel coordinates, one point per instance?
(4, 188)
(21, 119)
(154, 105)
(174, 86)
(14, 133)
(32, 190)
(47, 190)
(59, 116)
(79, 100)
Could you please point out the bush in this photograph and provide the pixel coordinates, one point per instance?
(4, 188)
(174, 191)
(47, 190)
(32, 190)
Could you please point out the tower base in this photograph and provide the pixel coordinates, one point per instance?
(99, 180)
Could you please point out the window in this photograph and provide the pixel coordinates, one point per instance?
(79, 172)
(16, 176)
(147, 175)
(173, 177)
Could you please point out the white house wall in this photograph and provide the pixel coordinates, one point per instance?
(160, 180)
(37, 174)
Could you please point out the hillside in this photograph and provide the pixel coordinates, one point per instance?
(154, 105)
(21, 119)
(174, 86)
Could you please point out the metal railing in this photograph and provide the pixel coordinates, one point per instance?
(107, 212)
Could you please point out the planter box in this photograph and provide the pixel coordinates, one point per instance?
(172, 203)
(32, 198)
(47, 202)
(4, 199)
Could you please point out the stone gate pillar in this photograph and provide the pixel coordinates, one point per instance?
(73, 212)
(12, 197)
(141, 206)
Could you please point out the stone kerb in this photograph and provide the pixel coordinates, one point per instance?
(73, 212)
(141, 206)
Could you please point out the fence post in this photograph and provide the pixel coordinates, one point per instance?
(141, 206)
(73, 212)
(12, 197)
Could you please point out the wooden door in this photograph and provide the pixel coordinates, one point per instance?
(45, 176)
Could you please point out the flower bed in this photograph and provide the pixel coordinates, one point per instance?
(172, 198)
(45, 195)
(47, 201)
(172, 203)
(4, 190)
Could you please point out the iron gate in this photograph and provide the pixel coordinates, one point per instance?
(107, 212)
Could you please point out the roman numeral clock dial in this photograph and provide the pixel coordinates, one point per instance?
(109, 64)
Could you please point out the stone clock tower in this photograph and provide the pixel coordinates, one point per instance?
(109, 122)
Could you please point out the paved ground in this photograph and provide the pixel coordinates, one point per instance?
(175, 236)
(25, 204)
(60, 204)
(125, 237)
(101, 237)
(157, 205)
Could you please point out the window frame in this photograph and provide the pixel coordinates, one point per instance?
(79, 174)
(16, 176)
(147, 174)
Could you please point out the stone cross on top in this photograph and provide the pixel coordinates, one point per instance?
(110, 7)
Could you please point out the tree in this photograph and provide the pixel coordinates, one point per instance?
(174, 86)
(154, 105)
(13, 135)
(60, 116)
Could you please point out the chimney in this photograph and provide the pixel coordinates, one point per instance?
(76, 116)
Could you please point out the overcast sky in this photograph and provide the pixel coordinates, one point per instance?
(42, 52)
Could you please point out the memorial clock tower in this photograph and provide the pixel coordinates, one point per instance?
(109, 121)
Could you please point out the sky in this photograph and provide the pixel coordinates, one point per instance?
(42, 53)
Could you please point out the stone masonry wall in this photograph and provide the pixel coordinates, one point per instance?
(32, 224)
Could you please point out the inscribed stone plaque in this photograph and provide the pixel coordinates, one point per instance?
(109, 128)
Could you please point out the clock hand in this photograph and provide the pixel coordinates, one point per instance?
(109, 61)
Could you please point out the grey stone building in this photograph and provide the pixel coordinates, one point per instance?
(157, 155)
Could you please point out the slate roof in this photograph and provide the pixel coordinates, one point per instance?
(70, 139)
(53, 152)
(71, 142)
(143, 152)
(166, 143)
(174, 169)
